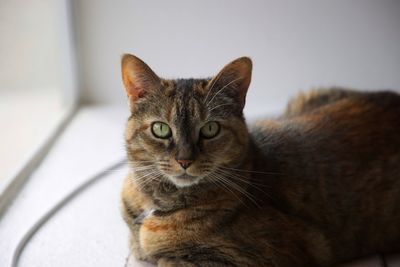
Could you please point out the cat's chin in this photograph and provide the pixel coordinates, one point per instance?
(185, 180)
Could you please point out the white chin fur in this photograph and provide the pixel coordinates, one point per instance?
(184, 182)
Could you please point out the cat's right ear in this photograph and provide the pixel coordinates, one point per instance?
(234, 77)
(138, 78)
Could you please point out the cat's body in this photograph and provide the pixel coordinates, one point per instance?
(318, 186)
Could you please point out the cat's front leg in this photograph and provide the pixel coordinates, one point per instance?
(135, 247)
(135, 208)
(137, 250)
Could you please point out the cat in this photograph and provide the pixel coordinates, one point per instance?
(316, 186)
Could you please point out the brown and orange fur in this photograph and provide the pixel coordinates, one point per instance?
(315, 187)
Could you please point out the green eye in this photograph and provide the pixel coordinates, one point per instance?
(210, 129)
(161, 130)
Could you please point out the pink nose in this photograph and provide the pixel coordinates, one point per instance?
(185, 163)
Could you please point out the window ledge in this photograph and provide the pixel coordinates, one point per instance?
(32, 121)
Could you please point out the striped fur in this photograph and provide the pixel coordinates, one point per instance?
(315, 187)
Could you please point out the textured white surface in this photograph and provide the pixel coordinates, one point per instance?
(89, 231)
(21, 133)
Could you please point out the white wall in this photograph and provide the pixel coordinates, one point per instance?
(37, 79)
(36, 49)
(29, 47)
(294, 44)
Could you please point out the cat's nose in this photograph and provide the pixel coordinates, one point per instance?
(185, 163)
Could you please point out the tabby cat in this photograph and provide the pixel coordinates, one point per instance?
(315, 187)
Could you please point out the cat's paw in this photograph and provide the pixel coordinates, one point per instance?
(137, 251)
(132, 261)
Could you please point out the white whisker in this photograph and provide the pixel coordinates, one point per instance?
(235, 186)
(249, 171)
(211, 87)
(219, 181)
(220, 90)
(225, 104)
(246, 180)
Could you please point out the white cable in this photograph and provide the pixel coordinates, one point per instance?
(35, 227)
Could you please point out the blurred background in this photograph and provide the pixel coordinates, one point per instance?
(60, 59)
(37, 80)
(294, 44)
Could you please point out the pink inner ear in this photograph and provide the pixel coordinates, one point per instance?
(134, 92)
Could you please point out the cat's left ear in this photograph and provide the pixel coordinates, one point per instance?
(236, 77)
(139, 79)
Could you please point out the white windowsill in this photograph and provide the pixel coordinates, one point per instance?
(89, 229)
(26, 118)
(30, 122)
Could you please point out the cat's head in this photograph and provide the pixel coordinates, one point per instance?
(185, 131)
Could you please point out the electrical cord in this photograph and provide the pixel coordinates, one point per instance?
(35, 227)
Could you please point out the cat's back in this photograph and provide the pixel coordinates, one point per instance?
(355, 120)
(351, 135)
(338, 166)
